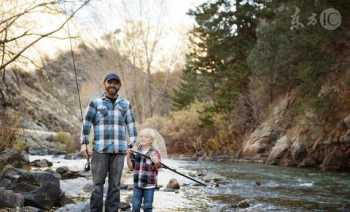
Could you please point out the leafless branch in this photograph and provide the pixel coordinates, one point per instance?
(16, 16)
(3, 56)
(43, 36)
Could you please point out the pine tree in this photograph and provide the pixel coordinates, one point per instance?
(220, 43)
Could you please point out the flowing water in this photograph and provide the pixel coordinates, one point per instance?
(272, 188)
(266, 188)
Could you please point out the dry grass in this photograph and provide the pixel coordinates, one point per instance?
(67, 140)
(9, 131)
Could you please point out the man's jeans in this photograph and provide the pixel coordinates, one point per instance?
(147, 195)
(101, 165)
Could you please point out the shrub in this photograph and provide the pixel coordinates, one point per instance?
(67, 140)
(20, 145)
(185, 132)
(182, 129)
(9, 130)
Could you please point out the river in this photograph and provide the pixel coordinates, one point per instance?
(266, 188)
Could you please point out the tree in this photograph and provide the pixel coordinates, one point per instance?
(220, 42)
(285, 57)
(140, 41)
(17, 36)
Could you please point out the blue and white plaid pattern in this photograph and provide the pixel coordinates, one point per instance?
(110, 122)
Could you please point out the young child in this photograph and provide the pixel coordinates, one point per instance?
(145, 171)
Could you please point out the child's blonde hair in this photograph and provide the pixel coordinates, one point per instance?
(157, 140)
(150, 132)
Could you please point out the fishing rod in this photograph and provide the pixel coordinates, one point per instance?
(87, 166)
(171, 169)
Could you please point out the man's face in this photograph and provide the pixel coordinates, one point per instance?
(112, 87)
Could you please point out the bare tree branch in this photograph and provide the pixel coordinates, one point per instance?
(27, 11)
(43, 36)
(14, 38)
(3, 56)
(27, 58)
(25, 34)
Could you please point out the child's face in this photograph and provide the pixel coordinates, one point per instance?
(146, 140)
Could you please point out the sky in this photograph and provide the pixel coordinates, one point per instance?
(107, 15)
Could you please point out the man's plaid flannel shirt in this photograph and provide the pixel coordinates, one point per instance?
(145, 172)
(110, 122)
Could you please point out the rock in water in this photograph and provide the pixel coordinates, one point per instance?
(88, 188)
(41, 163)
(38, 151)
(202, 173)
(234, 207)
(39, 189)
(73, 156)
(243, 204)
(173, 184)
(67, 174)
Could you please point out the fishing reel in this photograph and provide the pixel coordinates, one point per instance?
(87, 166)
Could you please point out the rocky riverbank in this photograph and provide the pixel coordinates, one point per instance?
(304, 144)
(230, 185)
(59, 183)
(289, 141)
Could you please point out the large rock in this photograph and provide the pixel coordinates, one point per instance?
(346, 137)
(39, 189)
(298, 151)
(260, 141)
(10, 199)
(347, 121)
(308, 162)
(13, 157)
(278, 150)
(173, 184)
(336, 160)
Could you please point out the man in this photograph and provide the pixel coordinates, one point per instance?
(111, 116)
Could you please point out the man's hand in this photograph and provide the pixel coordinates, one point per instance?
(85, 150)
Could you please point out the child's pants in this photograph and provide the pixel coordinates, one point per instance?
(142, 194)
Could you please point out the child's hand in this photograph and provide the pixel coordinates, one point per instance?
(128, 153)
(155, 159)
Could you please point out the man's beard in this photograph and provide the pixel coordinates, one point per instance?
(112, 91)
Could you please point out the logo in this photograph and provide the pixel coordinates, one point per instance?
(330, 19)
